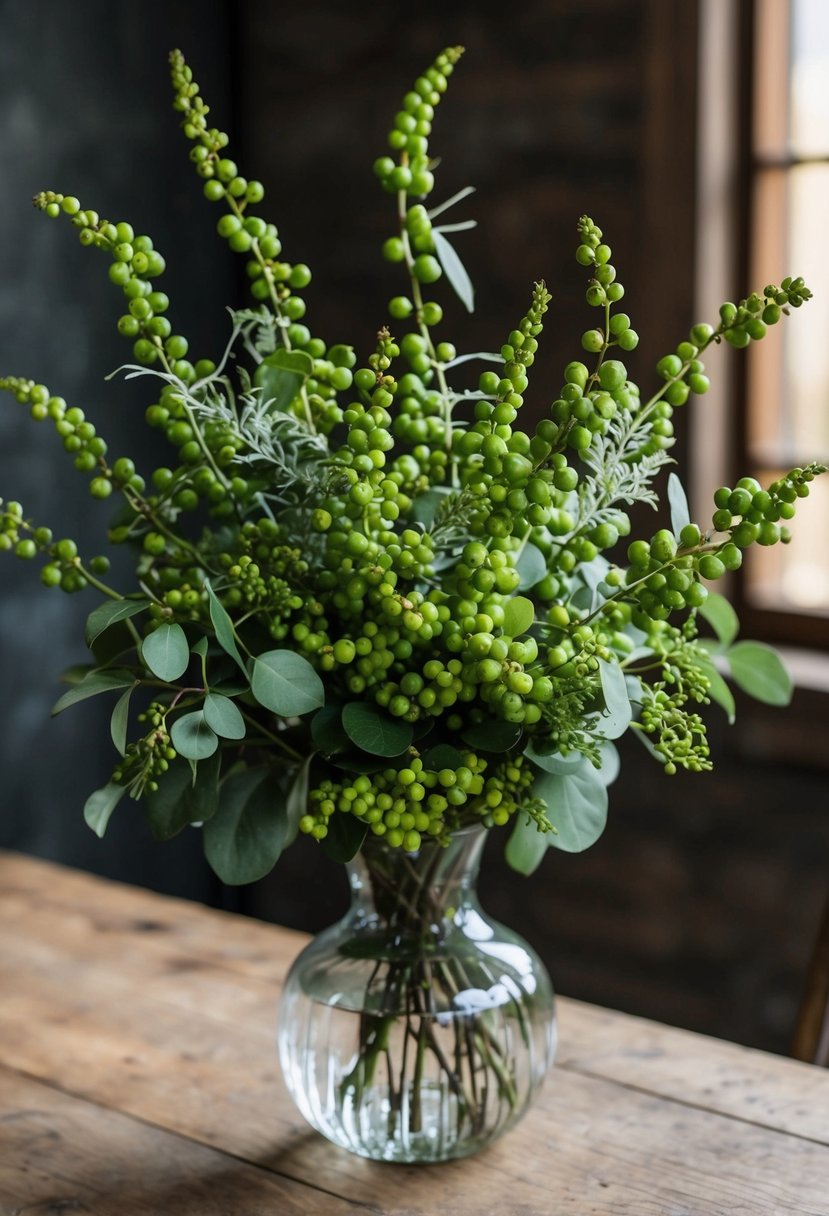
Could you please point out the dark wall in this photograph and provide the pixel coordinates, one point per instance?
(698, 905)
(85, 109)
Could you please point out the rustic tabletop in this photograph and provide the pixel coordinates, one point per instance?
(138, 1075)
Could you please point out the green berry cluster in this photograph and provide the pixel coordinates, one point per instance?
(79, 436)
(63, 567)
(134, 264)
(750, 319)
(148, 758)
(409, 138)
(679, 737)
(405, 804)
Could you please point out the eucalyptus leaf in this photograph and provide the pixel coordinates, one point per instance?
(454, 270)
(119, 722)
(192, 738)
(442, 755)
(722, 618)
(93, 683)
(553, 762)
(374, 731)
(531, 566)
(678, 502)
(109, 613)
(425, 505)
(495, 735)
(593, 574)
(345, 837)
(286, 683)
(327, 730)
(199, 648)
(527, 845)
(759, 671)
(223, 626)
(282, 375)
(114, 643)
(99, 806)
(576, 806)
(519, 614)
(296, 804)
(222, 716)
(165, 651)
(77, 672)
(618, 714)
(245, 838)
(180, 800)
(718, 691)
(611, 763)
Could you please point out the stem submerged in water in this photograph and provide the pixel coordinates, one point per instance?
(416, 986)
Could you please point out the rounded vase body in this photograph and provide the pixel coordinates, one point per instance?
(417, 1028)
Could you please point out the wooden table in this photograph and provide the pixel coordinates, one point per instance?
(138, 1075)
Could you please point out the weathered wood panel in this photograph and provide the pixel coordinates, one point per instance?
(163, 1012)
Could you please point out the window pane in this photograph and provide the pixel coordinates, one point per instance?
(791, 97)
(809, 116)
(787, 403)
(788, 374)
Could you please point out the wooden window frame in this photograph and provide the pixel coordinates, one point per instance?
(799, 628)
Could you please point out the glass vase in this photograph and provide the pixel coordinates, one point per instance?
(416, 1029)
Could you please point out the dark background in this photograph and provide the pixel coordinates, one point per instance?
(699, 905)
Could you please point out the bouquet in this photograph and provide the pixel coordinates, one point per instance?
(367, 602)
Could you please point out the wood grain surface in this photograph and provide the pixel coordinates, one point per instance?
(138, 1074)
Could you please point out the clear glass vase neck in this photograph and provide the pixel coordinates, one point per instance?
(390, 886)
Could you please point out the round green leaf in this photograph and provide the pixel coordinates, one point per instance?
(611, 763)
(374, 731)
(678, 502)
(553, 762)
(495, 735)
(119, 722)
(100, 805)
(286, 683)
(181, 799)
(618, 712)
(192, 737)
(296, 804)
(93, 683)
(223, 626)
(442, 755)
(244, 839)
(165, 652)
(531, 566)
(576, 806)
(109, 613)
(526, 845)
(281, 376)
(519, 614)
(327, 730)
(759, 671)
(222, 716)
(718, 690)
(722, 618)
(345, 837)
